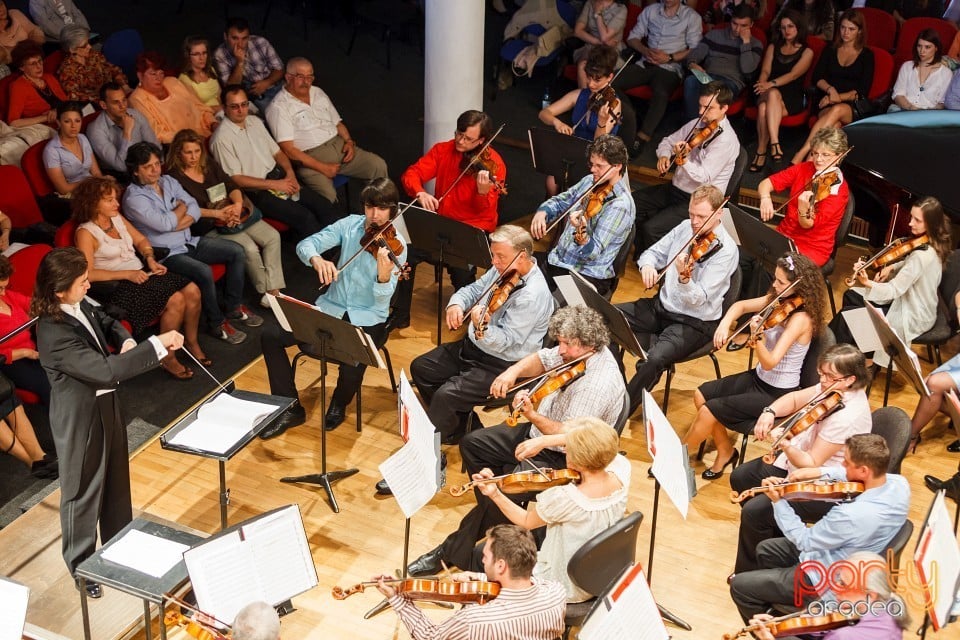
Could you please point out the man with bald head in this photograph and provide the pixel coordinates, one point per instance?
(309, 130)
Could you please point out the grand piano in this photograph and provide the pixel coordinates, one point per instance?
(899, 157)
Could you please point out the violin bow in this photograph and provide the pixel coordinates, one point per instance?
(536, 468)
(615, 76)
(799, 412)
(692, 239)
(180, 603)
(766, 310)
(560, 368)
(833, 163)
(693, 132)
(473, 161)
(580, 198)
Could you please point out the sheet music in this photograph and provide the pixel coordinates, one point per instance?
(938, 561)
(146, 553)
(13, 248)
(221, 423)
(371, 347)
(670, 463)
(281, 554)
(15, 598)
(223, 576)
(861, 326)
(569, 291)
(628, 612)
(726, 221)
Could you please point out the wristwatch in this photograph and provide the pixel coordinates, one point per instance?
(769, 410)
(670, 57)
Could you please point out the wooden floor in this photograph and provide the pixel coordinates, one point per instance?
(691, 562)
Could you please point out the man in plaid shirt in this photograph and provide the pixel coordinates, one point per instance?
(250, 61)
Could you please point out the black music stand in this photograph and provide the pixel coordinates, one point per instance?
(558, 155)
(760, 241)
(338, 340)
(449, 242)
(616, 322)
(898, 352)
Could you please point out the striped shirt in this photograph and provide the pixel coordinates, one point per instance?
(534, 613)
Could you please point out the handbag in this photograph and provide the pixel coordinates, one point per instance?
(864, 107)
(248, 215)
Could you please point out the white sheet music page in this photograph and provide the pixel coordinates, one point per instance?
(938, 561)
(224, 577)
(146, 553)
(278, 313)
(221, 423)
(628, 612)
(15, 598)
(861, 326)
(669, 463)
(569, 291)
(281, 554)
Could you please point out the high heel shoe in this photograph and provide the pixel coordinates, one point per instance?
(756, 166)
(776, 153)
(710, 474)
(914, 443)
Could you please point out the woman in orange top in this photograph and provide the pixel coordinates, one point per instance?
(166, 104)
(35, 96)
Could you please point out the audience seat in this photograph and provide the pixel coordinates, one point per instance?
(32, 165)
(51, 63)
(17, 199)
(65, 234)
(25, 264)
(121, 48)
(5, 94)
(883, 76)
(881, 28)
(912, 27)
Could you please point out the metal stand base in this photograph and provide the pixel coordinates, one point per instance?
(324, 480)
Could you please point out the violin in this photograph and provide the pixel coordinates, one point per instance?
(594, 206)
(700, 250)
(776, 315)
(797, 624)
(192, 627)
(523, 481)
(821, 186)
(803, 491)
(432, 589)
(506, 285)
(699, 137)
(375, 237)
(816, 410)
(606, 96)
(893, 252)
(549, 385)
(483, 161)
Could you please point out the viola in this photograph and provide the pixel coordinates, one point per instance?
(375, 237)
(797, 624)
(523, 481)
(821, 187)
(700, 250)
(549, 385)
(777, 315)
(803, 491)
(699, 137)
(606, 96)
(893, 252)
(816, 410)
(483, 161)
(432, 589)
(594, 206)
(506, 285)
(193, 628)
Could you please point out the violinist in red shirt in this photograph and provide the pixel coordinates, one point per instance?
(472, 200)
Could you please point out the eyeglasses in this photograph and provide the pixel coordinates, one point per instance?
(33, 61)
(236, 106)
(829, 377)
(197, 54)
(463, 137)
(826, 155)
(302, 76)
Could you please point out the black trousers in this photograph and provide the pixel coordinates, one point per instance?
(678, 336)
(774, 582)
(604, 286)
(660, 208)
(453, 379)
(306, 216)
(756, 516)
(274, 342)
(493, 448)
(404, 295)
(662, 83)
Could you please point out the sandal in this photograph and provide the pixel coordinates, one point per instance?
(204, 361)
(776, 153)
(756, 166)
(184, 374)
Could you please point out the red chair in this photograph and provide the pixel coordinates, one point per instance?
(884, 72)
(25, 264)
(32, 165)
(881, 28)
(912, 27)
(17, 199)
(276, 224)
(800, 118)
(65, 235)
(51, 64)
(5, 93)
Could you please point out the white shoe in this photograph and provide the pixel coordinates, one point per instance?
(264, 301)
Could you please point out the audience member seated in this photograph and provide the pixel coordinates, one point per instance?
(15, 140)
(922, 82)
(572, 513)
(163, 211)
(819, 16)
(250, 61)
(84, 69)
(34, 96)
(247, 153)
(198, 73)
(720, 11)
(311, 132)
(225, 212)
(18, 438)
(5, 227)
(601, 23)
(664, 35)
(142, 290)
(843, 74)
(15, 28)
(952, 98)
(116, 129)
(68, 159)
(944, 378)
(54, 15)
(662, 207)
(779, 88)
(730, 55)
(167, 105)
(906, 9)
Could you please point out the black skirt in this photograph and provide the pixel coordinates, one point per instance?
(143, 303)
(736, 401)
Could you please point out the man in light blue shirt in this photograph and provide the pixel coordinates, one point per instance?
(116, 129)
(797, 564)
(685, 313)
(359, 295)
(952, 98)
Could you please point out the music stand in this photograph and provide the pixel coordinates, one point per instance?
(558, 155)
(617, 323)
(449, 242)
(899, 353)
(763, 242)
(337, 340)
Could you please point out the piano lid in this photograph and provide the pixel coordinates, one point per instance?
(915, 150)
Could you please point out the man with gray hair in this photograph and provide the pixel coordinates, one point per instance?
(309, 130)
(256, 621)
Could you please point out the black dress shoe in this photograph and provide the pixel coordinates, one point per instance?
(954, 447)
(335, 416)
(427, 564)
(710, 474)
(951, 485)
(92, 588)
(45, 469)
(383, 489)
(292, 417)
(397, 321)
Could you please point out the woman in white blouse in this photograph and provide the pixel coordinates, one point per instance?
(572, 513)
(923, 81)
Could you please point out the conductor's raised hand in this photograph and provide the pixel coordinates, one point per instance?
(171, 340)
(454, 317)
(326, 270)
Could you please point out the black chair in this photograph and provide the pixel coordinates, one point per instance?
(620, 262)
(624, 415)
(386, 359)
(946, 323)
(736, 178)
(600, 561)
(893, 424)
(838, 239)
(896, 547)
(706, 350)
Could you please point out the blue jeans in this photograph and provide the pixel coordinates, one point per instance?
(194, 264)
(691, 94)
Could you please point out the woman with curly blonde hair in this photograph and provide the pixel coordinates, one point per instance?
(781, 350)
